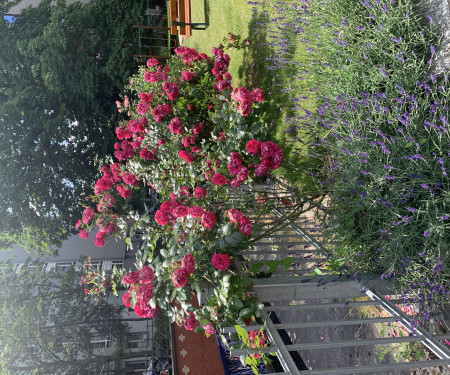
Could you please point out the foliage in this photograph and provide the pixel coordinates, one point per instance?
(381, 132)
(61, 68)
(405, 350)
(192, 138)
(46, 323)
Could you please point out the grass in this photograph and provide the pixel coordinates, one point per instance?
(251, 67)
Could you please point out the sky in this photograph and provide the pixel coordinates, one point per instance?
(9, 18)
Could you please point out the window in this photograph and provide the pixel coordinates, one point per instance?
(135, 367)
(118, 264)
(63, 266)
(17, 267)
(137, 340)
(97, 264)
(100, 344)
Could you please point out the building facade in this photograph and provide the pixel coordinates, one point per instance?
(146, 342)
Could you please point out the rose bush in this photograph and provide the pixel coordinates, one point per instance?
(193, 138)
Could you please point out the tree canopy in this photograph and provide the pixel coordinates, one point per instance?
(46, 324)
(61, 69)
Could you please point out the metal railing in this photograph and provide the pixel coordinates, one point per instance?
(306, 301)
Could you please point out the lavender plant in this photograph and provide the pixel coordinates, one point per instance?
(381, 130)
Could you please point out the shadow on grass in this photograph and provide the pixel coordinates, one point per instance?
(258, 71)
(255, 72)
(206, 7)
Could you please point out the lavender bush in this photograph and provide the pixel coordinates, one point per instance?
(381, 130)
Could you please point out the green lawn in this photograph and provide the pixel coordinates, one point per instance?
(249, 67)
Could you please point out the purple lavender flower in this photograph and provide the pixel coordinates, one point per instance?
(445, 217)
(426, 233)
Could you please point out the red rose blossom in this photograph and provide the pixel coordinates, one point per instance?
(187, 156)
(245, 226)
(180, 278)
(126, 299)
(131, 278)
(147, 275)
(219, 179)
(196, 211)
(234, 215)
(199, 192)
(189, 263)
(83, 234)
(220, 261)
(191, 322)
(253, 146)
(208, 219)
(144, 293)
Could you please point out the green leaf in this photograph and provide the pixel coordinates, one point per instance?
(245, 313)
(230, 241)
(243, 334)
(255, 267)
(173, 295)
(316, 271)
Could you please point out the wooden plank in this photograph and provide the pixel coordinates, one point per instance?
(181, 7)
(173, 16)
(150, 27)
(187, 17)
(149, 56)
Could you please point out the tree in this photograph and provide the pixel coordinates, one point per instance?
(46, 324)
(61, 69)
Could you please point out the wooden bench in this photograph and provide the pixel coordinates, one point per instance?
(180, 18)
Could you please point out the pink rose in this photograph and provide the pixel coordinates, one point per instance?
(190, 322)
(100, 239)
(219, 179)
(258, 95)
(245, 108)
(208, 219)
(144, 293)
(235, 163)
(199, 192)
(234, 215)
(263, 168)
(126, 299)
(187, 156)
(245, 226)
(196, 211)
(242, 174)
(145, 311)
(188, 262)
(220, 261)
(180, 211)
(83, 234)
(277, 159)
(131, 278)
(209, 329)
(88, 214)
(124, 191)
(142, 108)
(180, 278)
(175, 126)
(253, 146)
(161, 217)
(152, 62)
(269, 149)
(198, 128)
(241, 94)
(147, 275)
